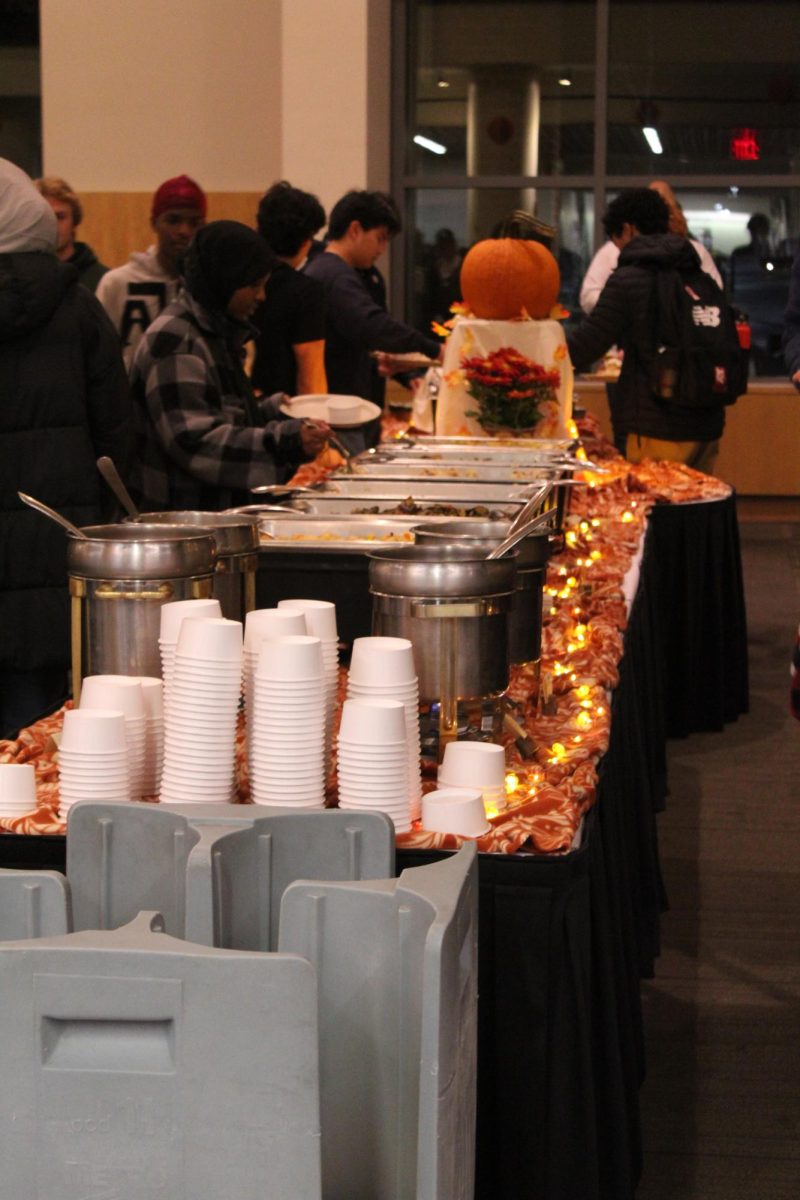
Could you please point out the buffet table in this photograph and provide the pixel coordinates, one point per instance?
(566, 935)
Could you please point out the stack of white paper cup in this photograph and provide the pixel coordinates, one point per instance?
(122, 693)
(172, 614)
(288, 737)
(153, 696)
(201, 713)
(260, 625)
(373, 759)
(93, 758)
(17, 789)
(383, 667)
(475, 765)
(321, 621)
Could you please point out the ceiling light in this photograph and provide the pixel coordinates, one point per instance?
(770, 266)
(565, 81)
(734, 191)
(652, 139)
(442, 82)
(429, 144)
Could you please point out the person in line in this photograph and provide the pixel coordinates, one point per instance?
(69, 214)
(290, 351)
(134, 295)
(624, 316)
(203, 440)
(606, 258)
(359, 229)
(63, 402)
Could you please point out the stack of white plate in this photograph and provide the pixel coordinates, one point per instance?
(383, 668)
(373, 759)
(321, 621)
(93, 758)
(287, 746)
(17, 789)
(201, 712)
(171, 616)
(153, 696)
(260, 625)
(122, 693)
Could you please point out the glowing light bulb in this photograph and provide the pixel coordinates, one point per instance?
(583, 720)
(512, 782)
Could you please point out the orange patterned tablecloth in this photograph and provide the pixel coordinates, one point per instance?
(585, 616)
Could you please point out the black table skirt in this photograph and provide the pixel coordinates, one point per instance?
(563, 943)
(704, 624)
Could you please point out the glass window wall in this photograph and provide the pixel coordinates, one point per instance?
(553, 107)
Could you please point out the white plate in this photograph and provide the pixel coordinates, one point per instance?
(316, 409)
(412, 360)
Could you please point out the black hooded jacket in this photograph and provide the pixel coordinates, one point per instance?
(63, 402)
(625, 315)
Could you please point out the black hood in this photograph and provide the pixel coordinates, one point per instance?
(660, 250)
(32, 285)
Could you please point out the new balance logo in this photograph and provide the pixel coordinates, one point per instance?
(706, 314)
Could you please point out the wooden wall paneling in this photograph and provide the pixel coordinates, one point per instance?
(117, 223)
(760, 448)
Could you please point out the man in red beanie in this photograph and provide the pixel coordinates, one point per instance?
(135, 294)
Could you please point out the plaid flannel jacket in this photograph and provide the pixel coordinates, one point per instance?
(202, 438)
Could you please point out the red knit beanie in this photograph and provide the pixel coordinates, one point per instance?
(180, 192)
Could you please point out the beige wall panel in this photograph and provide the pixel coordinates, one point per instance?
(134, 93)
(117, 223)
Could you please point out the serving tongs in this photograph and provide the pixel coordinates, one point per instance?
(336, 442)
(511, 539)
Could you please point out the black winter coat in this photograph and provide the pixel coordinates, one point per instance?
(625, 315)
(63, 402)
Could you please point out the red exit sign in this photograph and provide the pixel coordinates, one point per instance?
(744, 145)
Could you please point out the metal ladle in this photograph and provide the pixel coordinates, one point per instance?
(41, 507)
(108, 470)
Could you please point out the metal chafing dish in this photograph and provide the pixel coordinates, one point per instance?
(460, 471)
(456, 445)
(326, 504)
(521, 458)
(446, 491)
(335, 535)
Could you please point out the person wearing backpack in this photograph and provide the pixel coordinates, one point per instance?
(682, 362)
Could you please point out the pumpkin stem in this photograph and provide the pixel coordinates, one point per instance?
(524, 225)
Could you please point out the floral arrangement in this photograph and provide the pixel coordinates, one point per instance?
(509, 389)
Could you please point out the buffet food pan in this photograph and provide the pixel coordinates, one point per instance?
(455, 445)
(466, 471)
(336, 534)
(510, 458)
(412, 503)
(455, 491)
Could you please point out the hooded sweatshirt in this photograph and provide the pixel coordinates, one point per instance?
(63, 402)
(625, 315)
(134, 295)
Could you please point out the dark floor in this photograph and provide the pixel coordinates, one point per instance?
(721, 1102)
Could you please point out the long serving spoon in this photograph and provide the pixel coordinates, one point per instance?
(108, 470)
(41, 507)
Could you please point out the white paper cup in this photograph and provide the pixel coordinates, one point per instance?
(455, 810)
(94, 731)
(209, 639)
(153, 696)
(294, 658)
(173, 614)
(382, 660)
(320, 617)
(119, 693)
(473, 764)
(373, 722)
(18, 785)
(272, 623)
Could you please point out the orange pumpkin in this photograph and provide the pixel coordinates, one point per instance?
(502, 276)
